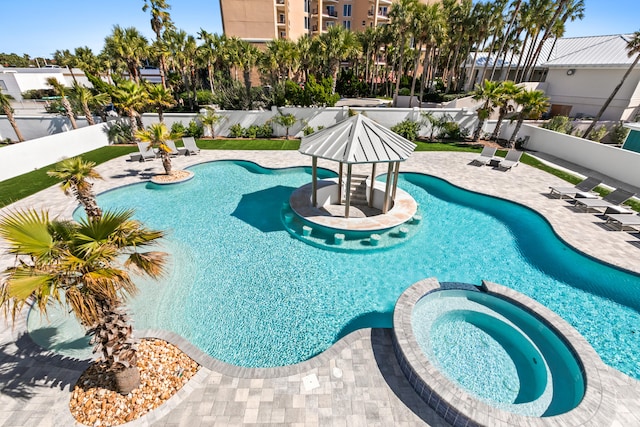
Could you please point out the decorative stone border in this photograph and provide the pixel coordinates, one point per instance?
(458, 407)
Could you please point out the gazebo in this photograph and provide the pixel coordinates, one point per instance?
(358, 140)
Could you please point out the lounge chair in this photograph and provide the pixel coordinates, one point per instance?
(173, 150)
(582, 189)
(511, 159)
(146, 151)
(611, 202)
(485, 157)
(620, 221)
(190, 145)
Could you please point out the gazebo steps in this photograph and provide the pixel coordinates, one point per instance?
(358, 190)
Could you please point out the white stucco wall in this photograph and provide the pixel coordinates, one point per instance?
(587, 89)
(29, 155)
(38, 126)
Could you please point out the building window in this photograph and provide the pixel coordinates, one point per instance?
(382, 11)
(306, 6)
(306, 22)
(283, 34)
(364, 23)
(346, 24)
(281, 18)
(331, 11)
(330, 24)
(346, 10)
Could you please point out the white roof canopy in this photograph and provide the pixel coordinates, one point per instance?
(357, 139)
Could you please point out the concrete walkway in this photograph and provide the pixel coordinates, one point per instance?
(355, 382)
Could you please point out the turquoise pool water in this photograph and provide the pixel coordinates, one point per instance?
(246, 292)
(497, 352)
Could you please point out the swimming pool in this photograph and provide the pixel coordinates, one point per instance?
(246, 292)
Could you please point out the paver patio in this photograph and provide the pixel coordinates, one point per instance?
(358, 380)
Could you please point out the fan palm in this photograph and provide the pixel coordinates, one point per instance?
(83, 266)
(75, 173)
(82, 96)
(61, 89)
(160, 19)
(210, 119)
(334, 46)
(487, 93)
(506, 94)
(160, 98)
(5, 102)
(130, 97)
(156, 135)
(533, 103)
(128, 47)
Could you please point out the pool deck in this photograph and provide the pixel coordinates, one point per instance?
(357, 381)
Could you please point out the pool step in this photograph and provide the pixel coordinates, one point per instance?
(358, 190)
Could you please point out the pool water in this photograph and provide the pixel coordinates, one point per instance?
(245, 291)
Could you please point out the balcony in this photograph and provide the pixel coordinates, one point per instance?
(329, 1)
(279, 3)
(281, 23)
(384, 2)
(330, 14)
(383, 16)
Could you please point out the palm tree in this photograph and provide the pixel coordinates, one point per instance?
(334, 46)
(75, 173)
(633, 48)
(60, 89)
(210, 119)
(159, 97)
(66, 59)
(487, 93)
(5, 102)
(156, 135)
(286, 121)
(82, 96)
(209, 53)
(402, 16)
(128, 47)
(130, 97)
(506, 94)
(82, 266)
(533, 103)
(160, 19)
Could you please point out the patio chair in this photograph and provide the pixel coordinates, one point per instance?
(620, 221)
(611, 202)
(146, 151)
(485, 157)
(582, 189)
(190, 145)
(511, 159)
(172, 147)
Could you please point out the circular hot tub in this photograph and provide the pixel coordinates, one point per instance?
(479, 355)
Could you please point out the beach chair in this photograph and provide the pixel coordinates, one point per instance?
(485, 156)
(146, 151)
(611, 202)
(512, 159)
(173, 150)
(190, 145)
(582, 189)
(621, 221)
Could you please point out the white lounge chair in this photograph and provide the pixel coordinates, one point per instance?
(620, 221)
(511, 159)
(172, 147)
(582, 189)
(485, 156)
(146, 151)
(611, 202)
(190, 145)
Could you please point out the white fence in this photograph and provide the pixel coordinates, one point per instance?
(37, 126)
(622, 165)
(26, 156)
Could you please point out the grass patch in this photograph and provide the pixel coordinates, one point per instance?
(447, 146)
(249, 144)
(19, 187)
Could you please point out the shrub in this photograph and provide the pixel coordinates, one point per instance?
(119, 132)
(307, 130)
(204, 97)
(178, 129)
(266, 130)
(407, 128)
(405, 91)
(618, 133)
(451, 130)
(195, 129)
(559, 124)
(236, 131)
(598, 133)
(251, 132)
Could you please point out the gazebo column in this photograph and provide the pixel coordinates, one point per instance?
(348, 198)
(387, 187)
(340, 184)
(395, 180)
(314, 181)
(373, 181)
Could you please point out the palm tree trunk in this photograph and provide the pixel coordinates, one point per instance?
(14, 125)
(423, 77)
(67, 106)
(496, 130)
(163, 71)
(608, 101)
(166, 162)
(88, 114)
(133, 124)
(415, 77)
(506, 36)
(516, 130)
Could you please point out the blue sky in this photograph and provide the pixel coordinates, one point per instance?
(39, 27)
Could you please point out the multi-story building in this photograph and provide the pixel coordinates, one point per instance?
(259, 21)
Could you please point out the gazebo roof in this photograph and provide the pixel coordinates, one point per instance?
(357, 139)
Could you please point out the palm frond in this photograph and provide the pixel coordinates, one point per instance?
(149, 263)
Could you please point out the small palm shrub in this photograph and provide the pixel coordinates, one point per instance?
(559, 124)
(618, 133)
(236, 131)
(408, 129)
(179, 129)
(195, 129)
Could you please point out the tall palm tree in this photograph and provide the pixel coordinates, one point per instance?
(633, 48)
(66, 59)
(82, 96)
(130, 97)
(506, 95)
(160, 20)
(61, 89)
(160, 98)
(5, 102)
(156, 135)
(334, 46)
(209, 53)
(83, 266)
(75, 174)
(402, 15)
(128, 47)
(533, 104)
(487, 93)
(305, 54)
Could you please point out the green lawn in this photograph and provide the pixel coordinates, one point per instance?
(30, 183)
